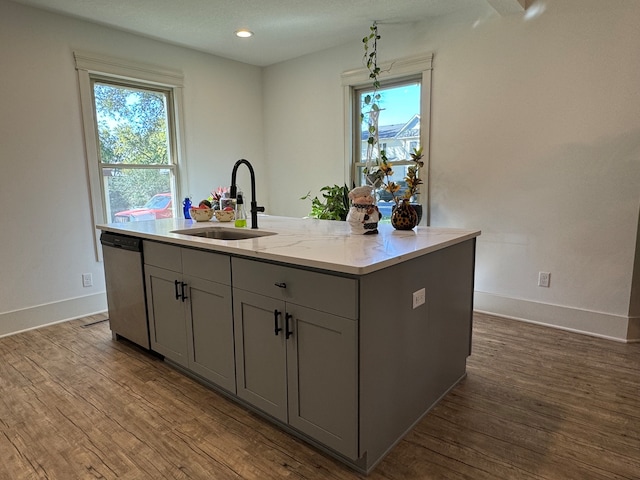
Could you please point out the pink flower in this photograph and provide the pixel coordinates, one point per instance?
(218, 192)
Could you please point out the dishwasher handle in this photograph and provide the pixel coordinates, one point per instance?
(124, 242)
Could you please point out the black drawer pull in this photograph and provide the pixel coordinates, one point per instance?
(184, 297)
(287, 332)
(175, 285)
(276, 328)
(280, 285)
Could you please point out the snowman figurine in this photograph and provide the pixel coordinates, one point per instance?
(363, 216)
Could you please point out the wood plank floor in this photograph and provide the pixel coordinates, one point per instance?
(537, 403)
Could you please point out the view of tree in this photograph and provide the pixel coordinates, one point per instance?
(132, 135)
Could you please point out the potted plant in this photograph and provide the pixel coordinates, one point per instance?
(404, 216)
(335, 203)
(216, 196)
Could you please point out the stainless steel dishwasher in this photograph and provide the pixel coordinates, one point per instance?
(124, 278)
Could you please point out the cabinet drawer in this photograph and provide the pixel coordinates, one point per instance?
(162, 255)
(320, 291)
(206, 265)
(210, 266)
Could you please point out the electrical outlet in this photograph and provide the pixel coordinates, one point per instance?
(87, 280)
(544, 278)
(419, 297)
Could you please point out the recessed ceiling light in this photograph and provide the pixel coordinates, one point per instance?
(244, 33)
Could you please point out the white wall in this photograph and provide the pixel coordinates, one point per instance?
(535, 141)
(46, 232)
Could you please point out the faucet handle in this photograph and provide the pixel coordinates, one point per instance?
(255, 207)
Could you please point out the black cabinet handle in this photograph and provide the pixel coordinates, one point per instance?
(287, 332)
(184, 297)
(280, 285)
(175, 285)
(276, 328)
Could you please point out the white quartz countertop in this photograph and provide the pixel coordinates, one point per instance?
(323, 244)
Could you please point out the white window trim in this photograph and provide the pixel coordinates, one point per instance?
(403, 67)
(88, 64)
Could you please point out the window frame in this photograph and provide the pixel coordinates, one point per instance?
(127, 73)
(396, 71)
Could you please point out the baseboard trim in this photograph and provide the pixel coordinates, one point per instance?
(56, 312)
(597, 324)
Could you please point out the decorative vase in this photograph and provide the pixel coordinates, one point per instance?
(418, 208)
(404, 216)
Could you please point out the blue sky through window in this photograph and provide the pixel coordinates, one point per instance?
(398, 103)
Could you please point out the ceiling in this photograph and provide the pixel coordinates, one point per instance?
(284, 29)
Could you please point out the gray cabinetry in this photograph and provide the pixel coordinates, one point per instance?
(346, 362)
(190, 312)
(167, 327)
(322, 377)
(261, 356)
(296, 363)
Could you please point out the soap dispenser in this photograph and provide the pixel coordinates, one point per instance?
(241, 214)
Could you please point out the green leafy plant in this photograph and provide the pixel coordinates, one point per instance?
(371, 101)
(370, 109)
(334, 204)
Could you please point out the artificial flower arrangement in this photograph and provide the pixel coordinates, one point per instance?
(412, 179)
(216, 195)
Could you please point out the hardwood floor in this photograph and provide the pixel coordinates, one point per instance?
(537, 403)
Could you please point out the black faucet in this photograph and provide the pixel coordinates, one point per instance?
(233, 191)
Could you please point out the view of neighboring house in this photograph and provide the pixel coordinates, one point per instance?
(397, 140)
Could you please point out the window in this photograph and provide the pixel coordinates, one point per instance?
(403, 124)
(132, 118)
(135, 159)
(398, 130)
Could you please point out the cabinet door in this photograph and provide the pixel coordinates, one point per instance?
(322, 358)
(210, 331)
(167, 326)
(261, 368)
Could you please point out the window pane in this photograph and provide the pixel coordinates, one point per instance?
(398, 121)
(134, 151)
(398, 135)
(137, 194)
(132, 125)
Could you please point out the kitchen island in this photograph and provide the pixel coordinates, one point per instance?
(343, 340)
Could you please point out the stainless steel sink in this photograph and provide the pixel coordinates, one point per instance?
(221, 233)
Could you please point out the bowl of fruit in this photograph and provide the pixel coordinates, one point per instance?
(202, 213)
(225, 215)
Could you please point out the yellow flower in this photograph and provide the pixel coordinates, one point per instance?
(392, 187)
(386, 168)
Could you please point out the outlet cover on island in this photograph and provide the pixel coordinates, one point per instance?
(419, 297)
(87, 280)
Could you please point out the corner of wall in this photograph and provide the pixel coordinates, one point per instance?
(633, 331)
(634, 297)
